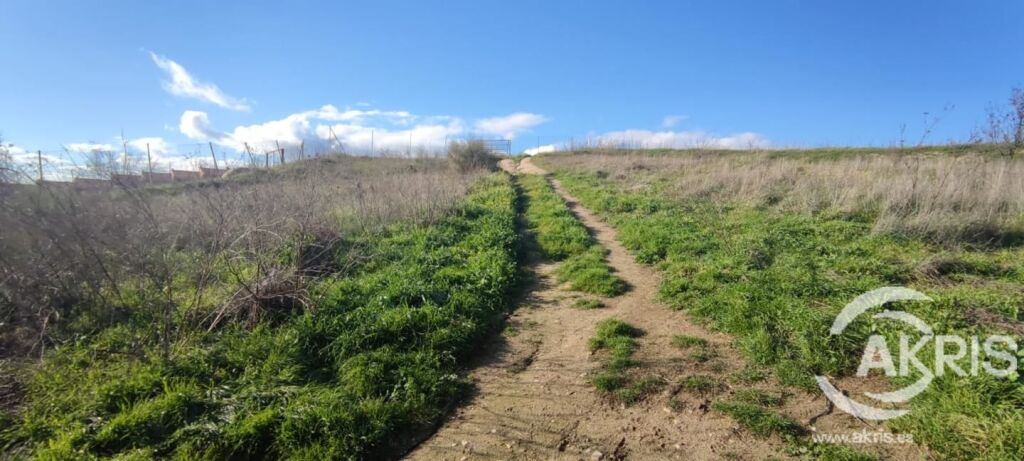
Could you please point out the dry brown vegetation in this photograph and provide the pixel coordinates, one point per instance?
(471, 155)
(75, 261)
(970, 198)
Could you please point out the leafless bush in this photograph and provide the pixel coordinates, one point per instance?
(1005, 126)
(952, 199)
(471, 155)
(97, 257)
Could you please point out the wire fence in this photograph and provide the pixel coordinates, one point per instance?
(156, 157)
(135, 160)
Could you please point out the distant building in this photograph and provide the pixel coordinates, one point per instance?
(91, 183)
(184, 175)
(126, 180)
(211, 173)
(157, 178)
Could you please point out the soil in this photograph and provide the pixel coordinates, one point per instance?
(534, 398)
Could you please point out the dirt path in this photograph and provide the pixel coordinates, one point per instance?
(534, 399)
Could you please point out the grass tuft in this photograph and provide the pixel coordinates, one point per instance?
(617, 338)
(685, 341)
(588, 303)
(758, 420)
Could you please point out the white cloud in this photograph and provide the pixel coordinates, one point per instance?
(355, 129)
(196, 125)
(540, 149)
(510, 125)
(672, 120)
(163, 154)
(646, 139)
(88, 147)
(155, 145)
(331, 113)
(11, 149)
(183, 84)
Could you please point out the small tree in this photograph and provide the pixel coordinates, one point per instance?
(7, 172)
(1005, 127)
(471, 155)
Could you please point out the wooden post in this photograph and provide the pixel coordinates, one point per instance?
(149, 159)
(337, 141)
(266, 159)
(280, 150)
(302, 149)
(282, 156)
(214, 156)
(252, 160)
(39, 157)
(124, 145)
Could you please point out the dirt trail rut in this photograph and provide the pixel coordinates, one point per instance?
(534, 399)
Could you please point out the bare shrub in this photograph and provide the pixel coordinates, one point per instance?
(948, 198)
(471, 155)
(1005, 126)
(200, 254)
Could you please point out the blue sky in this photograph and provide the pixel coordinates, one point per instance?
(782, 73)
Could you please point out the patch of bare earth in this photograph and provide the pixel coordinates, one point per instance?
(534, 398)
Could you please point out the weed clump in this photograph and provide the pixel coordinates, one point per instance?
(618, 339)
(588, 303)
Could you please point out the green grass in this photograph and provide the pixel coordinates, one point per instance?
(749, 374)
(758, 397)
(686, 341)
(558, 232)
(775, 281)
(702, 354)
(588, 303)
(562, 237)
(701, 384)
(637, 389)
(758, 420)
(617, 339)
(588, 272)
(375, 360)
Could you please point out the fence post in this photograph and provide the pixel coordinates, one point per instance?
(214, 156)
(39, 157)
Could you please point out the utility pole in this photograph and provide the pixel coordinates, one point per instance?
(212, 154)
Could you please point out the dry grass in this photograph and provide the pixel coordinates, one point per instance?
(88, 258)
(947, 198)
